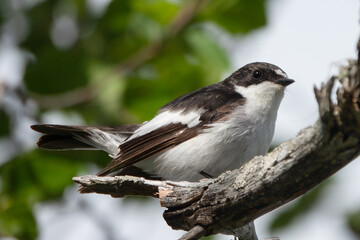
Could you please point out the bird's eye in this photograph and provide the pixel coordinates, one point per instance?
(257, 74)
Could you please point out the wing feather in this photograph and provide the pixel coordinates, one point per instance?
(175, 124)
(147, 145)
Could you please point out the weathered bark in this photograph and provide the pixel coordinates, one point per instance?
(266, 182)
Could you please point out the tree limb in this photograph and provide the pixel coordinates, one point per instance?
(266, 182)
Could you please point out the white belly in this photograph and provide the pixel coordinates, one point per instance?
(224, 146)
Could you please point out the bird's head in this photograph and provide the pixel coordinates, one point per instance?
(261, 83)
(259, 72)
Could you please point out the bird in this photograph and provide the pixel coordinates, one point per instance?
(198, 135)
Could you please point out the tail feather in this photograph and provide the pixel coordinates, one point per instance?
(59, 142)
(66, 129)
(67, 137)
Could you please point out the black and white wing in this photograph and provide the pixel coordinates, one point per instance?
(176, 122)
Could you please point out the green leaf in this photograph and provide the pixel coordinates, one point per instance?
(4, 123)
(55, 71)
(39, 19)
(353, 222)
(53, 173)
(117, 16)
(208, 238)
(26, 180)
(144, 28)
(116, 32)
(162, 11)
(165, 78)
(17, 220)
(212, 58)
(37, 175)
(110, 90)
(236, 16)
(52, 70)
(298, 208)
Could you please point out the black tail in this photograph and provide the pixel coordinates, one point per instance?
(67, 137)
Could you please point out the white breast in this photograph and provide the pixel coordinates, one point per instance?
(226, 145)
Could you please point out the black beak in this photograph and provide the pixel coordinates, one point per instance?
(284, 81)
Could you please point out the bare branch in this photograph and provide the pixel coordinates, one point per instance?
(120, 186)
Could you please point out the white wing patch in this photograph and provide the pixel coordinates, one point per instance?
(191, 119)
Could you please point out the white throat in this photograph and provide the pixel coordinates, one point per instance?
(262, 100)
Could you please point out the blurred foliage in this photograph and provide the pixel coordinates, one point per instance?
(79, 45)
(226, 13)
(353, 222)
(298, 208)
(26, 180)
(4, 123)
(208, 238)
